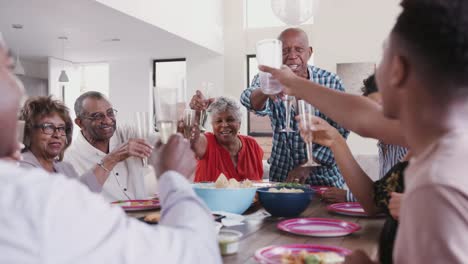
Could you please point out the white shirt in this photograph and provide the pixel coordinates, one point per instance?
(126, 180)
(52, 219)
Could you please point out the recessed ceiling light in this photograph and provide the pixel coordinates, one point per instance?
(111, 40)
(17, 26)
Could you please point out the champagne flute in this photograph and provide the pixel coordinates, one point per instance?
(189, 121)
(166, 112)
(287, 101)
(207, 91)
(143, 128)
(306, 111)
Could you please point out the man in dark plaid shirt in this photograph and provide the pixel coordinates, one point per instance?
(289, 150)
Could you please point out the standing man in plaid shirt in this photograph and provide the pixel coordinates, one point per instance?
(289, 150)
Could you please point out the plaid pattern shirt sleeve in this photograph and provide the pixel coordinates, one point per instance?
(245, 98)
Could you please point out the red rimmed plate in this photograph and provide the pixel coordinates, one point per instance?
(320, 189)
(349, 209)
(273, 254)
(318, 227)
(138, 205)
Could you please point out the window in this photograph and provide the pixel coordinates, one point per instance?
(258, 126)
(170, 73)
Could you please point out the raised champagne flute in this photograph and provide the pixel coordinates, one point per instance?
(306, 111)
(166, 112)
(189, 122)
(142, 124)
(287, 102)
(207, 91)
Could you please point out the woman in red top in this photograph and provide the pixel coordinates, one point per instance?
(224, 151)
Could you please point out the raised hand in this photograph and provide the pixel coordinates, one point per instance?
(199, 102)
(324, 134)
(134, 147)
(284, 75)
(175, 155)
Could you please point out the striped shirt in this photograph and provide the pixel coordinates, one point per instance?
(289, 150)
(389, 155)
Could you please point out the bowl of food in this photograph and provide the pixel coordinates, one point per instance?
(285, 201)
(226, 195)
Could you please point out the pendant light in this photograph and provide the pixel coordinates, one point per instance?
(19, 69)
(63, 74)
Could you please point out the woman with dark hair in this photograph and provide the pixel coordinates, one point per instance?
(47, 134)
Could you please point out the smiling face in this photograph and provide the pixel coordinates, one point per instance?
(47, 146)
(296, 51)
(98, 121)
(225, 127)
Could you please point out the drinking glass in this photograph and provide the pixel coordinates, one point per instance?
(287, 102)
(166, 112)
(269, 53)
(143, 128)
(306, 111)
(189, 121)
(207, 91)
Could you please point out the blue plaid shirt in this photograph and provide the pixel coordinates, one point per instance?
(289, 150)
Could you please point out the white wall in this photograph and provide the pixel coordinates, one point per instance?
(197, 21)
(36, 69)
(130, 88)
(344, 31)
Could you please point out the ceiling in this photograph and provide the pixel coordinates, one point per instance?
(89, 27)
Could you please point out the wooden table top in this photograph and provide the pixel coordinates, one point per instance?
(260, 231)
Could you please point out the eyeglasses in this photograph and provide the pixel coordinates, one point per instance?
(50, 129)
(110, 113)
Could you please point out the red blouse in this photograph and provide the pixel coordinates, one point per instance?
(217, 159)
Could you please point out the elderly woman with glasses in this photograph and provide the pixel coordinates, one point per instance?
(47, 133)
(224, 150)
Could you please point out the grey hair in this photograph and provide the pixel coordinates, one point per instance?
(224, 104)
(79, 101)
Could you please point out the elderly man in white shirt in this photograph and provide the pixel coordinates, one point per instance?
(112, 153)
(52, 219)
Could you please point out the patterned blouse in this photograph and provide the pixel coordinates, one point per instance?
(391, 182)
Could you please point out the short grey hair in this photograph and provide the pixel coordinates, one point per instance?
(225, 104)
(79, 101)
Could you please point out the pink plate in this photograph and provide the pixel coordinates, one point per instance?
(272, 254)
(350, 209)
(138, 205)
(320, 189)
(318, 227)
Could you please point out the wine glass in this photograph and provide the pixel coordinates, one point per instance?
(189, 121)
(287, 102)
(207, 91)
(306, 111)
(166, 112)
(142, 122)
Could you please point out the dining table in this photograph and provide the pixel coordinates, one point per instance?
(259, 230)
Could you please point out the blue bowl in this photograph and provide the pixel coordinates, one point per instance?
(231, 200)
(285, 204)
